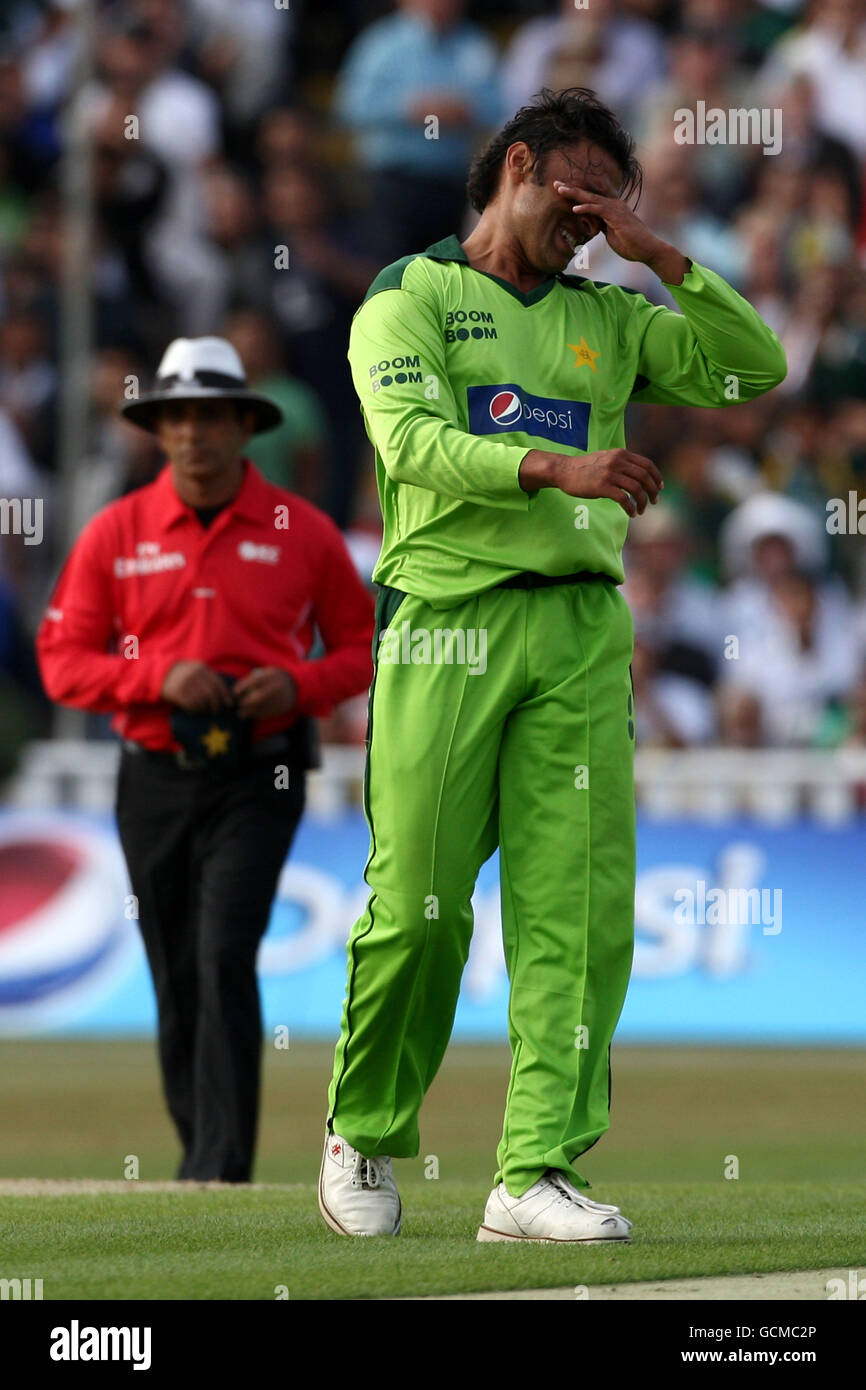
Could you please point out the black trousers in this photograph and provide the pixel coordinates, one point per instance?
(204, 852)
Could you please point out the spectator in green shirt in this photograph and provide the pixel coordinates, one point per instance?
(293, 455)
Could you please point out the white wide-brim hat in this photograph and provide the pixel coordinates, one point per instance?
(771, 514)
(194, 369)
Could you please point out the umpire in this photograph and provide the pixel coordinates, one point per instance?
(188, 610)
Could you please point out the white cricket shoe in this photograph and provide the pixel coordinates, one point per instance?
(551, 1210)
(357, 1196)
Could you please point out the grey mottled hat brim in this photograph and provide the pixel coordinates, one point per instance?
(142, 412)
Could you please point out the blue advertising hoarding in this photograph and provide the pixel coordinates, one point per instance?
(744, 933)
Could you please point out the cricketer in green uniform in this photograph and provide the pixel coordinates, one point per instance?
(504, 715)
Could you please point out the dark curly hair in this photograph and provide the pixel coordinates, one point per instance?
(551, 120)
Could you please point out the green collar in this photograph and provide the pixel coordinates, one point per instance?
(449, 249)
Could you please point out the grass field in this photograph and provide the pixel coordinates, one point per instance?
(794, 1119)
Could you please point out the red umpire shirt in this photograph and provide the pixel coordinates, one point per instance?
(248, 590)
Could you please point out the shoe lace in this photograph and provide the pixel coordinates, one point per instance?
(567, 1194)
(370, 1172)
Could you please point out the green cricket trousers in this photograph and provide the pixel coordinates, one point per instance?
(507, 720)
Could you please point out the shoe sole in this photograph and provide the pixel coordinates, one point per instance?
(488, 1233)
(335, 1225)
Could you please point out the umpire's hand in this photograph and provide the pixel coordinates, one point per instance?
(264, 693)
(195, 686)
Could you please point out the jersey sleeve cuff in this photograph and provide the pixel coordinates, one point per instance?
(156, 674)
(308, 700)
(694, 279)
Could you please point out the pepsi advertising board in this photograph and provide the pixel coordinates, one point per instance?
(744, 933)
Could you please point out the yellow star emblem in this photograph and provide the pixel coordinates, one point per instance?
(584, 354)
(216, 741)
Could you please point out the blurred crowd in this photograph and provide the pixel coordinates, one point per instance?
(256, 163)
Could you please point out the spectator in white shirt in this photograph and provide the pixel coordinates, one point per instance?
(829, 49)
(599, 46)
(790, 633)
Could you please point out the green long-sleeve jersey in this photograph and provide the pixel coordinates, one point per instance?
(460, 375)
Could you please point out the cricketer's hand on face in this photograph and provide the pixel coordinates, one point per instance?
(625, 233)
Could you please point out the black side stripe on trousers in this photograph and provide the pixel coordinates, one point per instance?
(388, 600)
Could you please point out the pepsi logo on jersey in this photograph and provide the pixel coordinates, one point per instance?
(507, 407)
